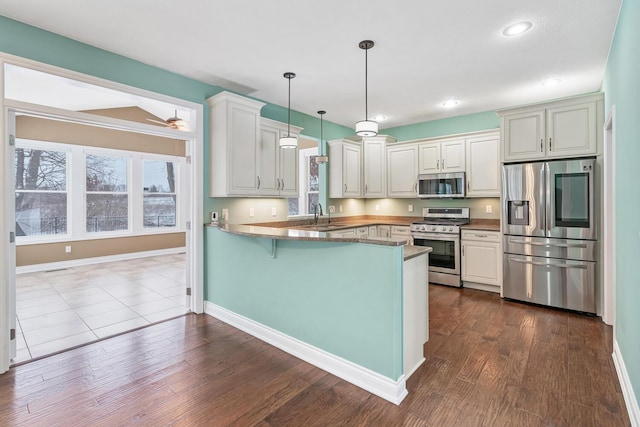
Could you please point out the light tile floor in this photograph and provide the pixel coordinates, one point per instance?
(60, 309)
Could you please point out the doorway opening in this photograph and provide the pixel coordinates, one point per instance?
(102, 224)
(609, 246)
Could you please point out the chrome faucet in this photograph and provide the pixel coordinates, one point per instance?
(315, 213)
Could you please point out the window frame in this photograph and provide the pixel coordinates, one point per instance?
(304, 155)
(76, 192)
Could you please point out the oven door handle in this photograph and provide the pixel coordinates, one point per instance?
(446, 237)
(549, 245)
(545, 264)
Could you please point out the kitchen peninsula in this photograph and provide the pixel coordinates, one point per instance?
(355, 307)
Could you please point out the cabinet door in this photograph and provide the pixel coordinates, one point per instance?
(429, 160)
(374, 168)
(373, 231)
(402, 168)
(351, 170)
(288, 176)
(243, 134)
(483, 164)
(384, 231)
(481, 262)
(523, 136)
(267, 159)
(452, 156)
(571, 131)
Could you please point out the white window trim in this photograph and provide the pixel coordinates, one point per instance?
(76, 192)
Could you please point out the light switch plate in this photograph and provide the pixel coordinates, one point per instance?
(274, 212)
(252, 212)
(488, 209)
(225, 214)
(410, 208)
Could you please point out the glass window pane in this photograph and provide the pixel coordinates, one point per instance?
(41, 213)
(314, 185)
(293, 206)
(106, 173)
(159, 177)
(159, 210)
(312, 201)
(107, 212)
(40, 169)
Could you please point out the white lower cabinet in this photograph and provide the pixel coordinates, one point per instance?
(402, 232)
(383, 231)
(481, 260)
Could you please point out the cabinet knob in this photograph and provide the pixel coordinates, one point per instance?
(442, 164)
(438, 164)
(468, 181)
(345, 188)
(282, 184)
(549, 144)
(541, 145)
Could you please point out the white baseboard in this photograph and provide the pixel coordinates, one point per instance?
(481, 287)
(625, 384)
(393, 391)
(34, 268)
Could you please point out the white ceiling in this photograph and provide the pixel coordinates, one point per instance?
(425, 51)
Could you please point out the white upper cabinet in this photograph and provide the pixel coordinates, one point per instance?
(345, 169)
(277, 167)
(235, 132)
(402, 171)
(441, 156)
(560, 129)
(246, 159)
(483, 165)
(375, 166)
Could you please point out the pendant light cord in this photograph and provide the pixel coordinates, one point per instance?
(289, 110)
(366, 77)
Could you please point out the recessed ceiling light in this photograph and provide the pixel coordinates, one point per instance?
(551, 82)
(450, 103)
(517, 28)
(380, 118)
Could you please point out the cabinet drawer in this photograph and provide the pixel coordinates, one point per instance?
(481, 235)
(400, 230)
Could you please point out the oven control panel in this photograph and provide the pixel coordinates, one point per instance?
(434, 228)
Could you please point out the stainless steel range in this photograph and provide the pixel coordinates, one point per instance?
(440, 229)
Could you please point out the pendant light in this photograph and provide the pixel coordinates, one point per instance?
(366, 127)
(320, 158)
(289, 141)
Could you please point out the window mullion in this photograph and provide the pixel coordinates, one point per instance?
(136, 193)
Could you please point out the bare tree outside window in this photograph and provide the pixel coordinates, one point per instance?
(159, 200)
(40, 191)
(107, 193)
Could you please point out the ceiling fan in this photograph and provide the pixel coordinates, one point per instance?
(174, 122)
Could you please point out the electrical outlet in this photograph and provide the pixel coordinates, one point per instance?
(410, 208)
(488, 209)
(252, 212)
(377, 207)
(214, 216)
(274, 212)
(332, 209)
(225, 214)
(340, 208)
(67, 249)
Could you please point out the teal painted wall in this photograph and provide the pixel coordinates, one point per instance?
(452, 125)
(622, 90)
(353, 309)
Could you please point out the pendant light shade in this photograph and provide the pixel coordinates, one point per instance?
(321, 158)
(289, 141)
(366, 127)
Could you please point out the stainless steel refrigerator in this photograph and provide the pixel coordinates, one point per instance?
(549, 227)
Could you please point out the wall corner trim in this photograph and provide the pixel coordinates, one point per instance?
(386, 388)
(625, 384)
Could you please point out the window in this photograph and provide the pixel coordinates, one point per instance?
(309, 184)
(159, 194)
(107, 193)
(40, 191)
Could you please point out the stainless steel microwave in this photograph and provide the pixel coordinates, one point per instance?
(441, 185)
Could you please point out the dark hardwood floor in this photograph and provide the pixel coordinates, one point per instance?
(489, 363)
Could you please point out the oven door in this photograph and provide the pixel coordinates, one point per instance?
(445, 257)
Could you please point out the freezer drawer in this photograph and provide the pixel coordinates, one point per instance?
(549, 281)
(580, 250)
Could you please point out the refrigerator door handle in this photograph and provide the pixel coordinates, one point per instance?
(546, 199)
(549, 245)
(545, 264)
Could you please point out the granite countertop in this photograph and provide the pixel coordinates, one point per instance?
(343, 222)
(308, 235)
(483, 225)
(414, 251)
